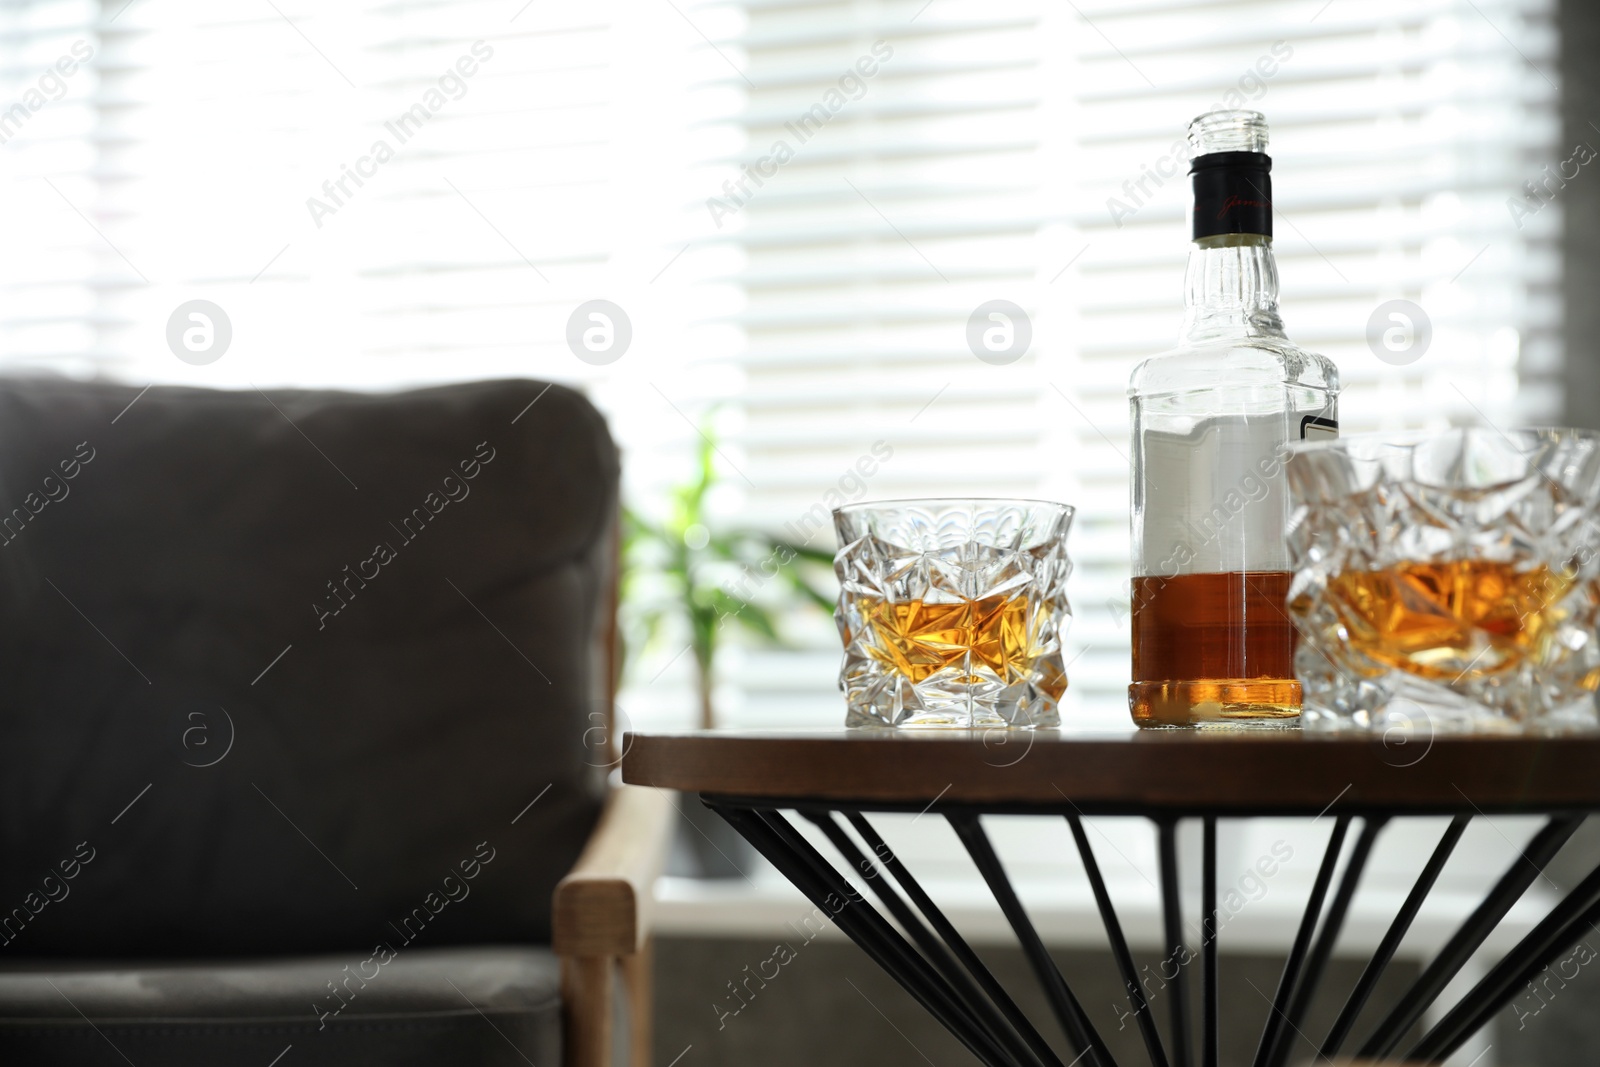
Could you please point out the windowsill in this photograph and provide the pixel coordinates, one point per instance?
(1066, 916)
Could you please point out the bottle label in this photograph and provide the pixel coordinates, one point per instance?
(1215, 497)
(1232, 193)
(1318, 428)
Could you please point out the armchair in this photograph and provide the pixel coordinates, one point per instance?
(299, 757)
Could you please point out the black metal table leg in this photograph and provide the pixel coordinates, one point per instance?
(958, 945)
(1276, 1032)
(1172, 928)
(994, 1021)
(1328, 936)
(1392, 937)
(1080, 1031)
(776, 840)
(942, 972)
(1119, 947)
(1210, 1048)
(1465, 941)
(1556, 933)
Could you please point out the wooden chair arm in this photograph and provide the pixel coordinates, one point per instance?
(603, 906)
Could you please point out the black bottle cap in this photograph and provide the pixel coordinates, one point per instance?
(1232, 193)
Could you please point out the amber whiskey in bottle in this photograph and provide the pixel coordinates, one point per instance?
(1212, 419)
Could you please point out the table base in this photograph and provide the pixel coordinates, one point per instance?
(942, 972)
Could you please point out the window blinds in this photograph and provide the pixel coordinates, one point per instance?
(799, 207)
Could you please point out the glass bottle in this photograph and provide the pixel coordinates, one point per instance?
(1212, 418)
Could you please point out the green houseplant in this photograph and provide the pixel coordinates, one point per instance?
(684, 568)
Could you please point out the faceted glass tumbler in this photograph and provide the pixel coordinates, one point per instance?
(952, 612)
(1447, 582)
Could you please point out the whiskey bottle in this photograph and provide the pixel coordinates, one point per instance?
(1212, 419)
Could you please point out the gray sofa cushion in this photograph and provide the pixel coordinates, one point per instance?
(484, 1006)
(202, 753)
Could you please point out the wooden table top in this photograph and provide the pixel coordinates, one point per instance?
(1127, 772)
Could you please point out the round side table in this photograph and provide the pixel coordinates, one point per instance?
(836, 778)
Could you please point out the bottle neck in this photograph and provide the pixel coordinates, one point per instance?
(1231, 289)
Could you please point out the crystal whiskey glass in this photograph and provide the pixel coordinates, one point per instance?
(952, 612)
(1447, 581)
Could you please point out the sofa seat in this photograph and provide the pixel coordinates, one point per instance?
(485, 1006)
